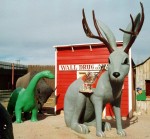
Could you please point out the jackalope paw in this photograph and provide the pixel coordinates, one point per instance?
(106, 126)
(121, 132)
(80, 128)
(100, 134)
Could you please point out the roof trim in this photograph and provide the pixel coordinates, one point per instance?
(82, 44)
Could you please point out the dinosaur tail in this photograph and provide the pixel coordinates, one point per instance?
(6, 128)
(12, 101)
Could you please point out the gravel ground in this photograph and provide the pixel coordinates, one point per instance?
(53, 127)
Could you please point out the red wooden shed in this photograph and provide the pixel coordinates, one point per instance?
(72, 61)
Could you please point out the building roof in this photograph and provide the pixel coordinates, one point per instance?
(8, 65)
(142, 62)
(82, 44)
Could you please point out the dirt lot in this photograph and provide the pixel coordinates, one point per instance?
(53, 127)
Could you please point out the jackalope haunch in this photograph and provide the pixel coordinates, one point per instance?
(81, 109)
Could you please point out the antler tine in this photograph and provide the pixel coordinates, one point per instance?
(134, 31)
(133, 27)
(91, 35)
(101, 37)
(86, 27)
(142, 18)
(95, 24)
(133, 24)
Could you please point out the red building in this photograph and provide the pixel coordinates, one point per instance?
(72, 61)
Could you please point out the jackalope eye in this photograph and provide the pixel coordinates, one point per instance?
(126, 61)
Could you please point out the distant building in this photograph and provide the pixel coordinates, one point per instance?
(9, 73)
(143, 76)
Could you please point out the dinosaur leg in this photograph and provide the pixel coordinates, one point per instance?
(18, 113)
(34, 114)
(80, 105)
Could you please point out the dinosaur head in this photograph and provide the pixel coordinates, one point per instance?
(47, 74)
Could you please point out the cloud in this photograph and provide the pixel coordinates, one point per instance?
(30, 28)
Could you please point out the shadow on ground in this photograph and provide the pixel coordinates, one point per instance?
(125, 123)
(41, 116)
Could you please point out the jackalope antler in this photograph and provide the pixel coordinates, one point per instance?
(91, 35)
(135, 27)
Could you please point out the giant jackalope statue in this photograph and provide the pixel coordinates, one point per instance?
(82, 109)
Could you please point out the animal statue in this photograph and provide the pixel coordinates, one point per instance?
(6, 128)
(83, 109)
(23, 100)
(43, 91)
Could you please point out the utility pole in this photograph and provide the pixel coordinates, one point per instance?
(12, 79)
(18, 62)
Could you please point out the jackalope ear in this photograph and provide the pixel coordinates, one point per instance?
(108, 34)
(126, 36)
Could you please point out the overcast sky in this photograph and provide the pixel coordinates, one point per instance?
(30, 28)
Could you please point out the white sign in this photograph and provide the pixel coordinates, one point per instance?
(83, 67)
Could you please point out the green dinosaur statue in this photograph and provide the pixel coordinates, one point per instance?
(23, 100)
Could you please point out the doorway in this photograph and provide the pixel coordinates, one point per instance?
(147, 84)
